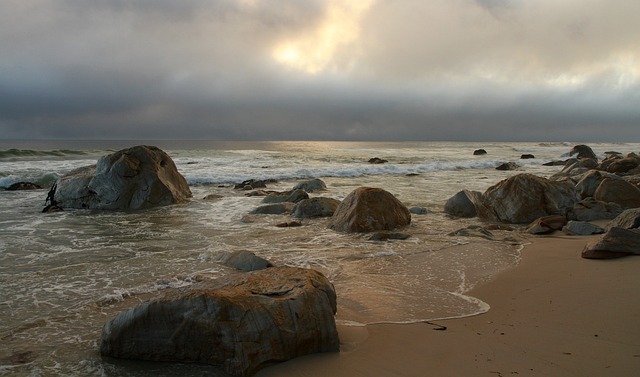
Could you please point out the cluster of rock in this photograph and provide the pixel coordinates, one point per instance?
(365, 209)
(583, 191)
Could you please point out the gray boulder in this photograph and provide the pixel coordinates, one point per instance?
(589, 182)
(368, 209)
(253, 320)
(616, 243)
(583, 151)
(274, 209)
(508, 166)
(462, 204)
(590, 209)
(311, 185)
(581, 228)
(135, 178)
(523, 198)
(315, 207)
(245, 260)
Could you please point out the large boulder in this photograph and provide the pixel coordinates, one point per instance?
(316, 207)
(253, 320)
(623, 165)
(590, 209)
(589, 182)
(618, 191)
(525, 197)
(616, 243)
(462, 204)
(583, 151)
(368, 209)
(135, 178)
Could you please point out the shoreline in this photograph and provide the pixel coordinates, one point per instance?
(554, 314)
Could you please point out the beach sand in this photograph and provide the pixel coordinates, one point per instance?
(555, 314)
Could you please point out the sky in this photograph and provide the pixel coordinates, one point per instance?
(461, 70)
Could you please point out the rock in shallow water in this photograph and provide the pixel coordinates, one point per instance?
(135, 178)
(368, 209)
(253, 320)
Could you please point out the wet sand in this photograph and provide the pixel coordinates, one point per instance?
(555, 314)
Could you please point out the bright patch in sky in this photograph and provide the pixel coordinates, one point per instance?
(317, 50)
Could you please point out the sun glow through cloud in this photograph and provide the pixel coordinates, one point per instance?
(316, 51)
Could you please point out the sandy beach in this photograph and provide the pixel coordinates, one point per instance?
(555, 314)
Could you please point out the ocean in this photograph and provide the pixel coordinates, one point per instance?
(63, 275)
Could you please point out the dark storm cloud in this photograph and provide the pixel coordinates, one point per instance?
(432, 70)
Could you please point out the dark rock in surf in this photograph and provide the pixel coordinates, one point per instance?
(386, 236)
(527, 156)
(245, 260)
(135, 178)
(368, 209)
(479, 152)
(554, 163)
(462, 204)
(242, 325)
(311, 185)
(289, 224)
(274, 209)
(376, 160)
(250, 184)
(508, 166)
(583, 151)
(315, 207)
(293, 196)
(419, 210)
(473, 231)
(212, 197)
(18, 186)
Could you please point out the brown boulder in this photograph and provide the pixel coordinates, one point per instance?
(583, 151)
(618, 191)
(622, 165)
(368, 209)
(523, 198)
(616, 243)
(253, 320)
(629, 219)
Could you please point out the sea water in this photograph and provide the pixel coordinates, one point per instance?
(63, 275)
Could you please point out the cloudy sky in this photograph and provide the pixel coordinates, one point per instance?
(533, 70)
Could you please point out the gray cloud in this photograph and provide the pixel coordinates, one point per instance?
(454, 70)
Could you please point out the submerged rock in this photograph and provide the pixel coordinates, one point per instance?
(245, 260)
(135, 178)
(311, 185)
(368, 209)
(273, 209)
(293, 196)
(253, 320)
(479, 152)
(18, 186)
(315, 207)
(508, 166)
(376, 160)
